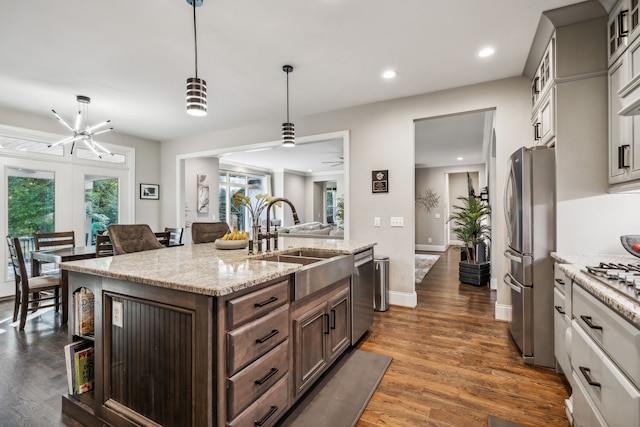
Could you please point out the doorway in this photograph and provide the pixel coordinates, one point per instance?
(446, 148)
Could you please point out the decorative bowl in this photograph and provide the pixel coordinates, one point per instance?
(628, 241)
(231, 244)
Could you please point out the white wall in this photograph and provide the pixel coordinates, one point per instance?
(382, 137)
(147, 166)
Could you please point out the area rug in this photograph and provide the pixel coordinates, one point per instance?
(424, 263)
(341, 396)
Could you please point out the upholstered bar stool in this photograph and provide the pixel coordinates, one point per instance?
(128, 238)
(206, 232)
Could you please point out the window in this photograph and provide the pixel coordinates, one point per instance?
(231, 183)
(101, 205)
(30, 206)
(331, 202)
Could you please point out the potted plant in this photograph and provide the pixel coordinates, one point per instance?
(470, 223)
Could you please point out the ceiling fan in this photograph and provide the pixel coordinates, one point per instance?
(335, 162)
(82, 131)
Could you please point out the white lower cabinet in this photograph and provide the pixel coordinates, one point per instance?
(612, 394)
(584, 412)
(560, 326)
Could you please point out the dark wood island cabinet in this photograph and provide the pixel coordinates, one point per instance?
(212, 338)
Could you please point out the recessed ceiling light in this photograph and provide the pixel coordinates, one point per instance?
(389, 74)
(487, 51)
(460, 158)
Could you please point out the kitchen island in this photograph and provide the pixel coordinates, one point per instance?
(195, 335)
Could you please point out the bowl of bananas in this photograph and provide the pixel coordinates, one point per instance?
(233, 240)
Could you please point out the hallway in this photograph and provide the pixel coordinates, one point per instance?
(454, 365)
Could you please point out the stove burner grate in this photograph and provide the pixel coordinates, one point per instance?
(625, 278)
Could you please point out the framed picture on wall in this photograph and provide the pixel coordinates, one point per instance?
(380, 181)
(150, 191)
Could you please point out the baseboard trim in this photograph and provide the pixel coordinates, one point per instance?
(432, 248)
(503, 312)
(404, 299)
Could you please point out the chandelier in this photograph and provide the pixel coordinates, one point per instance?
(82, 131)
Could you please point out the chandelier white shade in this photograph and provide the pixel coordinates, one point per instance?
(81, 129)
(196, 87)
(288, 129)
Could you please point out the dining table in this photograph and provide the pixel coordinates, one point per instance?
(57, 256)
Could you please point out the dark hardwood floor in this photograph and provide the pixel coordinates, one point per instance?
(453, 364)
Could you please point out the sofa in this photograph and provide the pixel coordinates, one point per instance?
(312, 230)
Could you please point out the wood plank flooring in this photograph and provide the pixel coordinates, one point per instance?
(453, 364)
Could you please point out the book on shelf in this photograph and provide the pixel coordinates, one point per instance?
(83, 302)
(79, 361)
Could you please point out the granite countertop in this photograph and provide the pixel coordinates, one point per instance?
(203, 268)
(573, 264)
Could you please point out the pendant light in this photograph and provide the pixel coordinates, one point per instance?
(288, 132)
(81, 129)
(196, 87)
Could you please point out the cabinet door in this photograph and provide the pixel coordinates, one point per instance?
(619, 126)
(618, 30)
(339, 314)
(544, 122)
(310, 346)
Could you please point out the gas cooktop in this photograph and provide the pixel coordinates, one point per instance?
(624, 278)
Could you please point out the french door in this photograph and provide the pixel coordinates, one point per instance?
(39, 196)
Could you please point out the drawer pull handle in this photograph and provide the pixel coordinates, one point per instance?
(264, 419)
(326, 316)
(587, 320)
(560, 310)
(560, 282)
(267, 302)
(333, 314)
(587, 376)
(264, 339)
(266, 377)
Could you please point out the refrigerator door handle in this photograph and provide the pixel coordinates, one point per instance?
(516, 287)
(509, 254)
(507, 216)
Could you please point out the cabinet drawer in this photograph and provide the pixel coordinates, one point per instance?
(560, 280)
(268, 409)
(617, 337)
(585, 413)
(615, 397)
(254, 339)
(560, 326)
(251, 382)
(256, 304)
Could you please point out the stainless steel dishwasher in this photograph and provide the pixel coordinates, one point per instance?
(362, 288)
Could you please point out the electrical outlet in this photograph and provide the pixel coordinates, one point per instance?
(376, 221)
(430, 240)
(116, 314)
(437, 216)
(396, 221)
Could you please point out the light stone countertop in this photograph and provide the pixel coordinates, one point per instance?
(203, 268)
(573, 264)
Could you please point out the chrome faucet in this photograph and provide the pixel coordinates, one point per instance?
(269, 235)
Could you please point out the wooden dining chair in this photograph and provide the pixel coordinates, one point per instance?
(175, 235)
(163, 237)
(104, 247)
(55, 240)
(206, 232)
(31, 292)
(128, 238)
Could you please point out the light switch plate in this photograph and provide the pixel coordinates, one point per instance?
(376, 221)
(397, 221)
(116, 314)
(437, 216)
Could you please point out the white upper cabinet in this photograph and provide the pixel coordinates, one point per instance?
(623, 27)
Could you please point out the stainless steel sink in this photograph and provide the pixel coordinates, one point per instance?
(320, 268)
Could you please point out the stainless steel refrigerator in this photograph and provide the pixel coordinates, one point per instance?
(529, 205)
